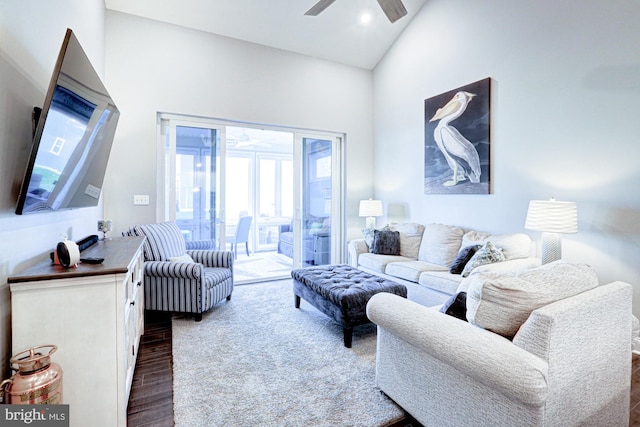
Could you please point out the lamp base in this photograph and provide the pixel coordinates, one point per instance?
(370, 222)
(551, 247)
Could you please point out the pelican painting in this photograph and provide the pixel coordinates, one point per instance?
(457, 140)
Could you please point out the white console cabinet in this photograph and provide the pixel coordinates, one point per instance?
(95, 315)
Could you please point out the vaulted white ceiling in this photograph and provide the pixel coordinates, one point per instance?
(336, 34)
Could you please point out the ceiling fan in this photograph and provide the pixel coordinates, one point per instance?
(394, 9)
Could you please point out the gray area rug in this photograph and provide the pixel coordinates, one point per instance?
(258, 361)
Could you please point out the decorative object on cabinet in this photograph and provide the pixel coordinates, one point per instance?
(553, 218)
(105, 225)
(178, 278)
(456, 140)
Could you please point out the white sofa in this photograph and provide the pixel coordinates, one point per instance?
(569, 364)
(426, 254)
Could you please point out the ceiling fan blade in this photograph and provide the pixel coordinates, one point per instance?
(394, 9)
(319, 7)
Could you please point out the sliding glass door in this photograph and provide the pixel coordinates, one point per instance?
(215, 174)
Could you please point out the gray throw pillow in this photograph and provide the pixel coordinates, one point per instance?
(386, 242)
(368, 236)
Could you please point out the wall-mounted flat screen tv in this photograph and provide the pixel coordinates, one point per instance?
(73, 137)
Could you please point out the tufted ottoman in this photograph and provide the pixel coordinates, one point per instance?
(341, 292)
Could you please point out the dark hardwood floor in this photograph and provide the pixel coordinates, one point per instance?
(151, 399)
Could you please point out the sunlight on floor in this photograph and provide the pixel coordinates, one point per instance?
(261, 266)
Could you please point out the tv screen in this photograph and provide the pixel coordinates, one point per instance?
(73, 137)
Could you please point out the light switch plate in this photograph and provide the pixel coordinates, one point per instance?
(141, 199)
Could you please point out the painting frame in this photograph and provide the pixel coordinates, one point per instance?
(457, 140)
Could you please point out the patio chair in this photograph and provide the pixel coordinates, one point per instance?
(241, 235)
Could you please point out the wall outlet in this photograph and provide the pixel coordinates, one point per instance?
(141, 199)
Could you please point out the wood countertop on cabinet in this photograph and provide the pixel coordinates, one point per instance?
(117, 253)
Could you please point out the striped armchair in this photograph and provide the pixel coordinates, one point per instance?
(181, 276)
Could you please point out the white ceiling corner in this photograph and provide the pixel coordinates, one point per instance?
(334, 35)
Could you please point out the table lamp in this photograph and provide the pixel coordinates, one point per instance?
(370, 209)
(553, 218)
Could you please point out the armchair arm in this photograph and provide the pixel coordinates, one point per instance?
(200, 244)
(213, 258)
(181, 270)
(476, 353)
(355, 248)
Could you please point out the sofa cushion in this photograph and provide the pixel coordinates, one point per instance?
(410, 270)
(502, 302)
(410, 238)
(465, 254)
(487, 254)
(442, 281)
(514, 246)
(440, 244)
(378, 263)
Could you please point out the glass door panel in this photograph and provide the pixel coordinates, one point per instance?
(196, 182)
(239, 191)
(316, 197)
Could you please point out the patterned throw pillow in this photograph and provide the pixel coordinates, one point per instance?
(488, 254)
(386, 242)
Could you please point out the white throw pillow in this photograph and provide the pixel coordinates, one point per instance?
(410, 238)
(182, 258)
(440, 244)
(502, 302)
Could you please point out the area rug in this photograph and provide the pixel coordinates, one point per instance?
(258, 361)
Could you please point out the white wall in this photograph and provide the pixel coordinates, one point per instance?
(155, 67)
(31, 33)
(565, 103)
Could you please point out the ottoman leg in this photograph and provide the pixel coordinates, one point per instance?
(348, 336)
(296, 299)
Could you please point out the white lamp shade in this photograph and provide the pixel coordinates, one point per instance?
(370, 208)
(552, 216)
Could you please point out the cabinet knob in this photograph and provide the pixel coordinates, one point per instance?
(133, 303)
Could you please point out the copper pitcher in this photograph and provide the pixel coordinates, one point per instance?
(37, 380)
